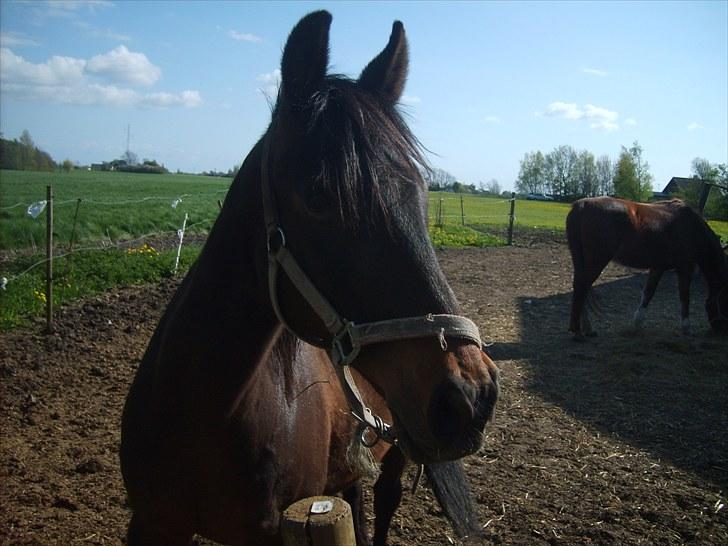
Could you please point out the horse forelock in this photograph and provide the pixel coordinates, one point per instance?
(366, 152)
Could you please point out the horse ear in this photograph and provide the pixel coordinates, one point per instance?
(387, 73)
(305, 57)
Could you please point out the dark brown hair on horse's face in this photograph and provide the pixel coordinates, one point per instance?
(345, 171)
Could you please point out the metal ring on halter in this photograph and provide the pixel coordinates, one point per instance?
(362, 437)
(272, 249)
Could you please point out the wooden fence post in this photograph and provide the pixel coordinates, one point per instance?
(49, 259)
(302, 526)
(511, 218)
(462, 209)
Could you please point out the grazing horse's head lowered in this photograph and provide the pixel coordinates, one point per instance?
(349, 263)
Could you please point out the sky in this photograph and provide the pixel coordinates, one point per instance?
(190, 82)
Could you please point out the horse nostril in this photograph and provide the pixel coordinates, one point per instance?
(451, 411)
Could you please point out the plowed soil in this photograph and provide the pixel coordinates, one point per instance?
(622, 439)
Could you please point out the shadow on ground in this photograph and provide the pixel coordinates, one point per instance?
(659, 390)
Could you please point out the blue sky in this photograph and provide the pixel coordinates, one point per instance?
(489, 81)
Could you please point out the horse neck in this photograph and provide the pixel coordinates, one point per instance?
(714, 266)
(225, 301)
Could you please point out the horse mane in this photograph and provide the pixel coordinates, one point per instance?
(367, 150)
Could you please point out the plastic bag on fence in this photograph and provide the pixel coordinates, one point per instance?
(36, 208)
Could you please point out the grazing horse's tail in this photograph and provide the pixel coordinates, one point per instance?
(451, 489)
(573, 236)
(576, 249)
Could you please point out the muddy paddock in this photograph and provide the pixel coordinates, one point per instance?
(619, 440)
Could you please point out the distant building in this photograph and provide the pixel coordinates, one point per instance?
(694, 190)
(680, 186)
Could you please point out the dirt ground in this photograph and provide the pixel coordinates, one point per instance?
(619, 440)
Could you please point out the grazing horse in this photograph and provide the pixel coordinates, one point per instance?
(323, 234)
(655, 236)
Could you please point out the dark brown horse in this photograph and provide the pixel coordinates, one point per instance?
(655, 236)
(223, 427)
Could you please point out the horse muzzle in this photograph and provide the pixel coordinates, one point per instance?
(453, 423)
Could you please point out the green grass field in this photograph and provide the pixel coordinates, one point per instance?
(113, 205)
(125, 206)
(493, 211)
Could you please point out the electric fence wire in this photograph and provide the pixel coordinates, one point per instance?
(126, 243)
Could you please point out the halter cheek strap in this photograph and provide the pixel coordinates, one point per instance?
(346, 337)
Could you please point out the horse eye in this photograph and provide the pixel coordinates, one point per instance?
(318, 200)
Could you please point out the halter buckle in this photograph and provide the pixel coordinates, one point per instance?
(276, 240)
(344, 347)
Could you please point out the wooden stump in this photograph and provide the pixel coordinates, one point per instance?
(300, 527)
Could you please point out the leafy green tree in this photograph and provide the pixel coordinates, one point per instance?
(560, 172)
(586, 174)
(605, 175)
(717, 204)
(632, 178)
(67, 166)
(531, 175)
(703, 169)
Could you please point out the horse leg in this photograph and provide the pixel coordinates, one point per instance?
(387, 494)
(684, 277)
(583, 280)
(353, 495)
(648, 292)
(142, 532)
(578, 299)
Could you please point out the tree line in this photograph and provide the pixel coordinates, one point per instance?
(567, 174)
(23, 155)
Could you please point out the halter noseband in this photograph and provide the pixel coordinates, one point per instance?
(347, 338)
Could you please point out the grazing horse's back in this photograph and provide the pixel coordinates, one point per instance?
(654, 236)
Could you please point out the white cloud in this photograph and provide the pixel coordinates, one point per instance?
(694, 126)
(65, 9)
(630, 121)
(244, 36)
(188, 99)
(492, 119)
(595, 72)
(67, 80)
(410, 100)
(16, 39)
(597, 116)
(271, 82)
(566, 110)
(123, 66)
(55, 71)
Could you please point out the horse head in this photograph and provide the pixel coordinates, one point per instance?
(716, 304)
(714, 264)
(343, 195)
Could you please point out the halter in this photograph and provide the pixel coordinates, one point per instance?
(347, 338)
